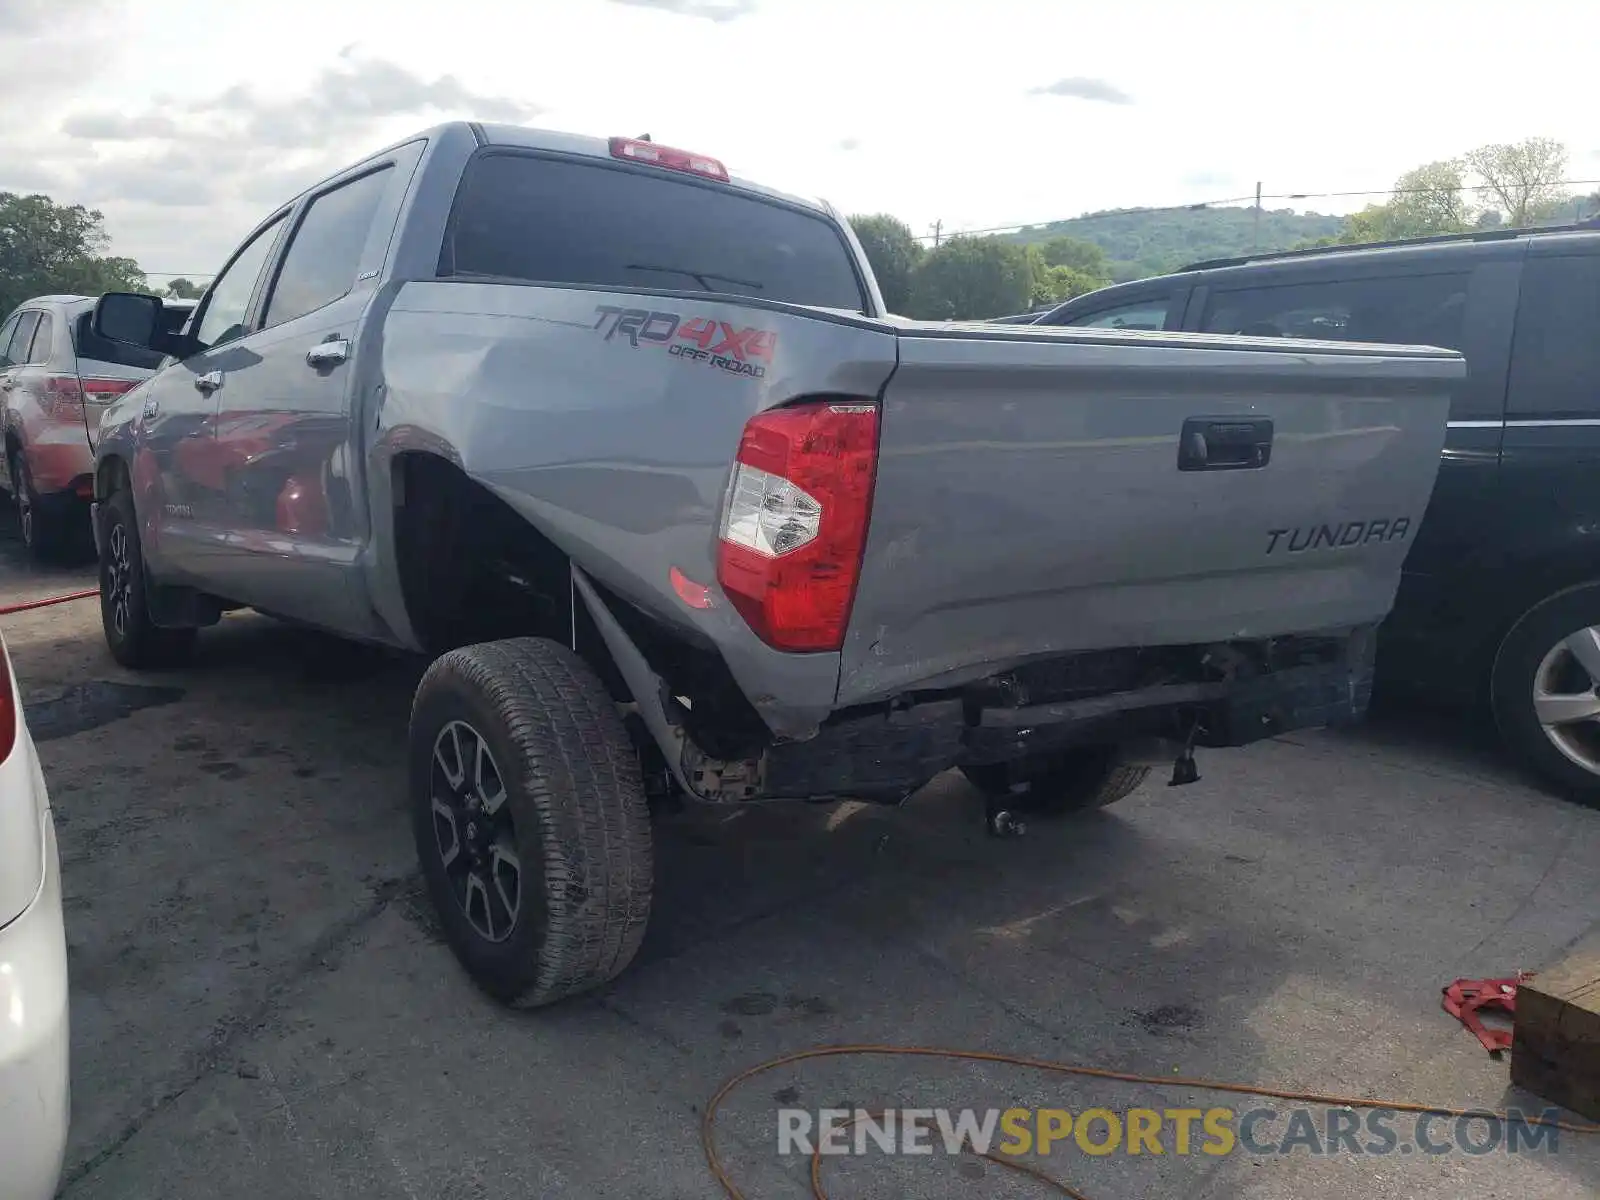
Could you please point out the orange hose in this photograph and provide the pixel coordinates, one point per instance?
(731, 1189)
(48, 601)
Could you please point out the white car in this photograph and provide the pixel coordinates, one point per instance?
(34, 1090)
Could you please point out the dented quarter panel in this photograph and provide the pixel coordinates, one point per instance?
(615, 448)
(1028, 499)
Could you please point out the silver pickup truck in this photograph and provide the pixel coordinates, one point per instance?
(634, 451)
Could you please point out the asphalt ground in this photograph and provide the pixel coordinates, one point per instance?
(262, 1005)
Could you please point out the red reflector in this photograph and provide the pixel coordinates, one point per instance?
(794, 522)
(695, 595)
(666, 156)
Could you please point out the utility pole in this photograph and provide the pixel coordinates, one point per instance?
(937, 227)
(1255, 236)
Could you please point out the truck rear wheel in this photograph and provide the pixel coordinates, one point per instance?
(1054, 785)
(530, 819)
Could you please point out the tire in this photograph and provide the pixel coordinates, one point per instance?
(1073, 781)
(133, 639)
(567, 801)
(41, 529)
(1539, 652)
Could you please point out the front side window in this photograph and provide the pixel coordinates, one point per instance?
(1555, 356)
(549, 220)
(325, 253)
(1409, 310)
(6, 330)
(229, 300)
(1143, 314)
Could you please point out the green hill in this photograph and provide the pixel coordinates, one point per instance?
(1142, 241)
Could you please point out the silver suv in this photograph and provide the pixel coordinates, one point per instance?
(56, 378)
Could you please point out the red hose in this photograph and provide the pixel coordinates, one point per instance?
(48, 601)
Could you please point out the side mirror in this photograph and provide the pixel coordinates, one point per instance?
(128, 317)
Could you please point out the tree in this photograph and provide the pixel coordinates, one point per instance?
(1084, 257)
(1430, 199)
(1521, 177)
(182, 289)
(50, 248)
(970, 278)
(894, 254)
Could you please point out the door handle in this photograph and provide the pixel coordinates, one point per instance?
(329, 353)
(209, 382)
(1225, 444)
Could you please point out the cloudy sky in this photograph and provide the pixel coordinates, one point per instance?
(184, 121)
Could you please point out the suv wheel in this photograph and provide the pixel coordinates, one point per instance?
(1054, 785)
(40, 528)
(1545, 689)
(133, 639)
(530, 819)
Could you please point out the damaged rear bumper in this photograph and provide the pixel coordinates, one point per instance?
(887, 754)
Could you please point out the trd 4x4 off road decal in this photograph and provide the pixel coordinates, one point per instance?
(694, 339)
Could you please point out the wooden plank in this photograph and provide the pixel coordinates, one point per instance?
(1555, 1048)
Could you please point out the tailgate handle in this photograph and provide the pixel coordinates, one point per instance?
(1225, 444)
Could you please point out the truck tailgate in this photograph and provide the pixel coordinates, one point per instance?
(1029, 497)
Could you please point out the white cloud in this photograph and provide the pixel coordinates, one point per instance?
(1082, 87)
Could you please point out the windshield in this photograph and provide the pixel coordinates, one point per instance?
(549, 220)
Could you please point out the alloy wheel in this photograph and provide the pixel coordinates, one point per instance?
(119, 578)
(473, 831)
(1566, 697)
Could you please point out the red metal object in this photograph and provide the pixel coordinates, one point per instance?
(1465, 997)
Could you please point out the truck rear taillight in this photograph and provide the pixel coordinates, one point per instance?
(638, 150)
(794, 522)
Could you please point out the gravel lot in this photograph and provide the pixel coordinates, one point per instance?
(262, 1005)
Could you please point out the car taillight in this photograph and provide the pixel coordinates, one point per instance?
(794, 522)
(65, 395)
(8, 707)
(639, 150)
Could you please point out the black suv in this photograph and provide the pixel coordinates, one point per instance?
(1501, 596)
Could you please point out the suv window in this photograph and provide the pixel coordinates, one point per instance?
(548, 220)
(1413, 310)
(229, 299)
(325, 252)
(21, 338)
(1555, 355)
(1150, 313)
(40, 351)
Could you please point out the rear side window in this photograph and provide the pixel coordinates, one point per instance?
(549, 220)
(1413, 310)
(1555, 357)
(40, 351)
(1150, 313)
(320, 265)
(21, 338)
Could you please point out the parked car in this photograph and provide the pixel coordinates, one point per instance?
(631, 446)
(34, 1088)
(56, 378)
(1501, 597)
